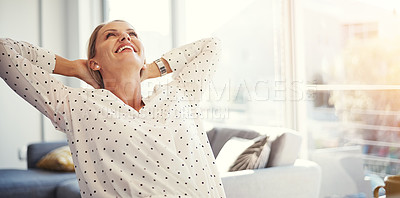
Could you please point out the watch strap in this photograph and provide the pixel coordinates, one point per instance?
(161, 66)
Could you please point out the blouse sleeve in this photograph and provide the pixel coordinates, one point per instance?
(194, 64)
(26, 69)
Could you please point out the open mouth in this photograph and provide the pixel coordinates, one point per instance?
(125, 48)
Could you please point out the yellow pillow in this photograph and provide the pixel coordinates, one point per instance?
(59, 159)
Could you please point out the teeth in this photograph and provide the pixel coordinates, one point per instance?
(124, 47)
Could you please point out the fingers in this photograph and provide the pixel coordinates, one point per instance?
(93, 83)
(86, 77)
(85, 74)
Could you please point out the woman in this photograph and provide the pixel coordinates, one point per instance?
(124, 145)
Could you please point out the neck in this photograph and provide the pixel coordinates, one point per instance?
(126, 88)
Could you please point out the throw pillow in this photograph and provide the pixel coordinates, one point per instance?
(230, 151)
(254, 157)
(59, 159)
(219, 136)
(284, 149)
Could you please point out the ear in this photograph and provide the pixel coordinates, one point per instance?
(94, 65)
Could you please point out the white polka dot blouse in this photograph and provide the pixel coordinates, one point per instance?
(117, 151)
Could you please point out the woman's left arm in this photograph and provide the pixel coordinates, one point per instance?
(151, 70)
(194, 62)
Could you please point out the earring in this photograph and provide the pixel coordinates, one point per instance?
(97, 67)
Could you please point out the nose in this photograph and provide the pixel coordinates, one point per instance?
(125, 36)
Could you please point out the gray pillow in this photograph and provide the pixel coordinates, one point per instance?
(219, 136)
(254, 157)
(284, 149)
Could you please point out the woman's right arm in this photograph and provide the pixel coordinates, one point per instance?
(76, 68)
(26, 69)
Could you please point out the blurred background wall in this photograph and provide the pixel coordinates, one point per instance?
(62, 26)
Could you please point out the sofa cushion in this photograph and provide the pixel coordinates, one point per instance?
(284, 149)
(254, 157)
(31, 183)
(59, 159)
(38, 150)
(68, 189)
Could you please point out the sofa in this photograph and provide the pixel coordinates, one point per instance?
(286, 176)
(345, 164)
(35, 182)
(298, 179)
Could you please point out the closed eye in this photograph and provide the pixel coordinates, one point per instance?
(109, 34)
(133, 34)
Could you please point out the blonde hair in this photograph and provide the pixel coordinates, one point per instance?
(96, 75)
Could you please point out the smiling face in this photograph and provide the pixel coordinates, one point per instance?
(118, 50)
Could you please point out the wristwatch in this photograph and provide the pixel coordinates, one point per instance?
(161, 66)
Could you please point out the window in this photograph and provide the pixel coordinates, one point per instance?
(247, 89)
(347, 54)
(360, 31)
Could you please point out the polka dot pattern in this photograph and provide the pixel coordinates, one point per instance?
(117, 151)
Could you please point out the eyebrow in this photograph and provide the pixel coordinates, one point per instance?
(115, 30)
